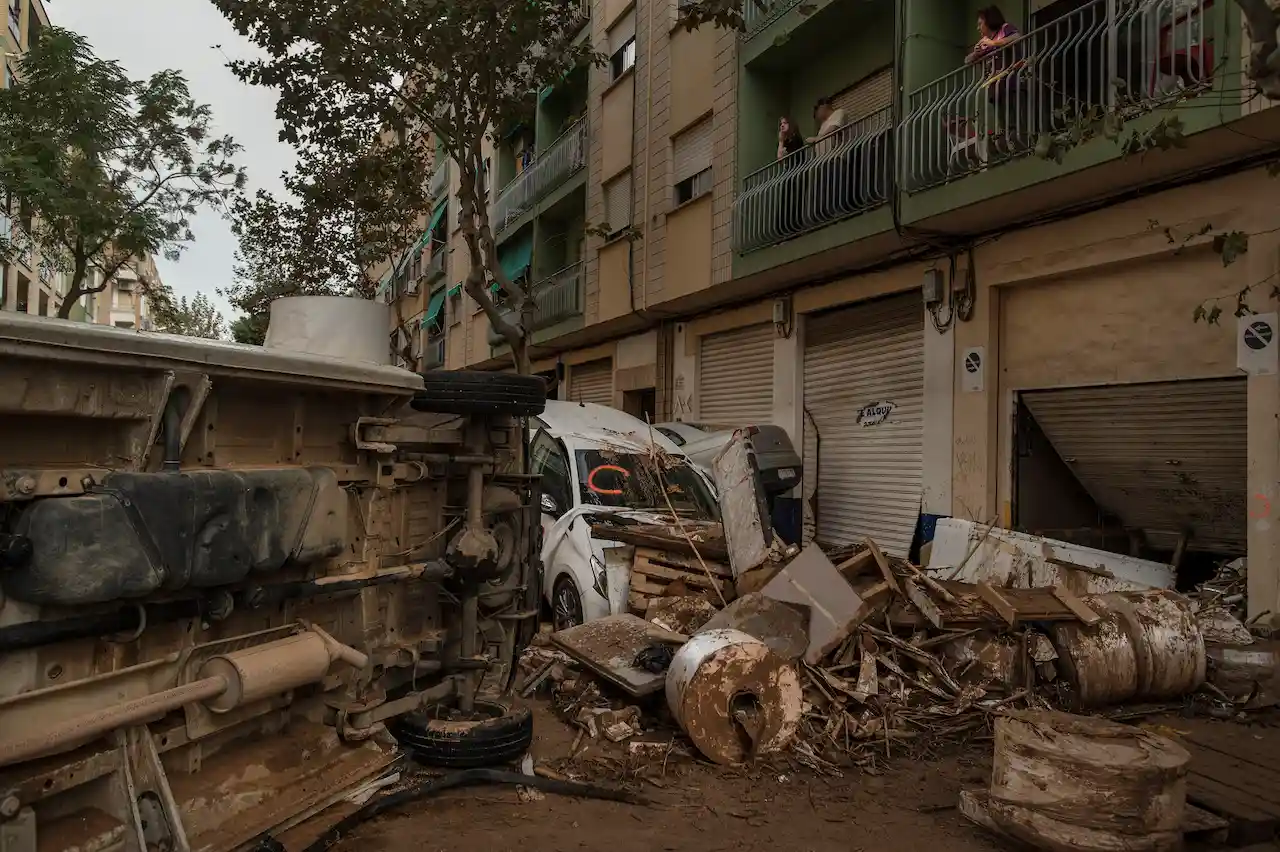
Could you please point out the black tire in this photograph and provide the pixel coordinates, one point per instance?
(478, 392)
(502, 736)
(566, 604)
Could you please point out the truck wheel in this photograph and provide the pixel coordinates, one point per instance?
(478, 392)
(440, 736)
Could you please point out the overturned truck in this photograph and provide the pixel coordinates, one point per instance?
(229, 575)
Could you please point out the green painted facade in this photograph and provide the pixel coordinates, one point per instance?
(787, 64)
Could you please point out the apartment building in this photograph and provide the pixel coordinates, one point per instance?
(123, 302)
(30, 284)
(951, 318)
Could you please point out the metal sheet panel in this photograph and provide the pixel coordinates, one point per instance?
(864, 387)
(592, 382)
(735, 377)
(1163, 457)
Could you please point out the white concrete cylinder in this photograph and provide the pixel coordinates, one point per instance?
(332, 326)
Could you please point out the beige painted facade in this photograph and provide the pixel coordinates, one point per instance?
(30, 284)
(1101, 298)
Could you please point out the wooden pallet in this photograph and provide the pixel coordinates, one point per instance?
(652, 571)
(1234, 773)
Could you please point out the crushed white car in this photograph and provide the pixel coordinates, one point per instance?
(597, 460)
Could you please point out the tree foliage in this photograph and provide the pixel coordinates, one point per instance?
(420, 71)
(105, 168)
(197, 317)
(348, 205)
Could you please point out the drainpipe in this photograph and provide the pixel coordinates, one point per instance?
(648, 150)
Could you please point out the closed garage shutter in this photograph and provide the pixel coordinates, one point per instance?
(592, 382)
(864, 388)
(735, 377)
(1163, 457)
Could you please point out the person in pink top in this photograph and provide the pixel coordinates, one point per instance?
(994, 31)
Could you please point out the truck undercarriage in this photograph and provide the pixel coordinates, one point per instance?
(226, 570)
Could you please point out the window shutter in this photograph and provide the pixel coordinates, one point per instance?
(617, 202)
(622, 32)
(692, 151)
(866, 97)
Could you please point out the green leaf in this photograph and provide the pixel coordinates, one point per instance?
(1230, 246)
(1214, 314)
(1198, 314)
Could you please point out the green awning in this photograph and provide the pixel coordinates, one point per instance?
(455, 290)
(515, 255)
(386, 280)
(436, 216)
(408, 256)
(435, 308)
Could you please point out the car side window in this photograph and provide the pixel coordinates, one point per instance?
(672, 434)
(548, 458)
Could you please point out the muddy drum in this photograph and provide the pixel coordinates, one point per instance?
(1147, 647)
(1074, 783)
(723, 680)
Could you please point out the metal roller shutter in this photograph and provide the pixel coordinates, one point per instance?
(622, 32)
(735, 377)
(691, 151)
(592, 382)
(617, 202)
(864, 387)
(812, 473)
(866, 97)
(1163, 457)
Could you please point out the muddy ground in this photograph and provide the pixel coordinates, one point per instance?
(910, 807)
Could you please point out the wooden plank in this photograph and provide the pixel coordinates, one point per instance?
(857, 563)
(883, 563)
(688, 563)
(1248, 823)
(662, 572)
(1078, 607)
(608, 646)
(998, 603)
(644, 587)
(1258, 787)
(922, 602)
(712, 551)
(1202, 826)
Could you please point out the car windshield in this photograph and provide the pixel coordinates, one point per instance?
(628, 480)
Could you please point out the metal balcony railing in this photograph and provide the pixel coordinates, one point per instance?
(22, 244)
(758, 14)
(15, 23)
(561, 160)
(558, 298)
(1124, 57)
(433, 352)
(841, 175)
(440, 179)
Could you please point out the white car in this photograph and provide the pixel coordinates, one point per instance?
(594, 459)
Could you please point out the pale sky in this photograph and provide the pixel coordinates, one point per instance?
(146, 36)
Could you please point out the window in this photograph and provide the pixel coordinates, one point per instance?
(624, 60)
(617, 203)
(44, 304)
(622, 45)
(691, 162)
(454, 306)
(610, 478)
(547, 457)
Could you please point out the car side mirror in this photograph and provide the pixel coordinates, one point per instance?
(549, 505)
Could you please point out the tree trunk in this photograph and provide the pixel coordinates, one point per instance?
(77, 290)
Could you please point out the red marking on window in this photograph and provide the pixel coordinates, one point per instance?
(591, 479)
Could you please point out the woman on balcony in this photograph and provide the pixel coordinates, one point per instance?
(1003, 72)
(790, 159)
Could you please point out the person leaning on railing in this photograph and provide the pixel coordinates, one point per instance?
(790, 146)
(1003, 83)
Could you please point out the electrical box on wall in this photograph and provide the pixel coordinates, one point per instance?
(781, 311)
(931, 287)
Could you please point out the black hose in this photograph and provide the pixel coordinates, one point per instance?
(173, 433)
(468, 778)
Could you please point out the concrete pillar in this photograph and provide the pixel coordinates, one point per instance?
(1262, 263)
(788, 388)
(975, 442)
(684, 374)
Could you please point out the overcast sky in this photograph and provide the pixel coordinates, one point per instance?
(152, 35)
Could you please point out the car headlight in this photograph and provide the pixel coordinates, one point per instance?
(600, 578)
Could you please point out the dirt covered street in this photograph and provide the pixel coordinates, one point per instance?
(911, 806)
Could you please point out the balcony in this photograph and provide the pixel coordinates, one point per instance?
(842, 175)
(558, 297)
(433, 352)
(440, 179)
(549, 171)
(1053, 82)
(22, 244)
(758, 14)
(436, 265)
